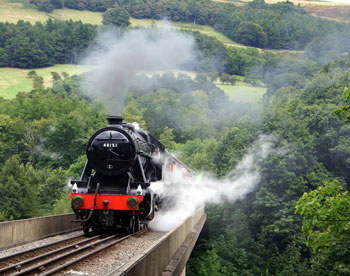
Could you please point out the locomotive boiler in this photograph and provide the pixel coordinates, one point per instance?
(113, 192)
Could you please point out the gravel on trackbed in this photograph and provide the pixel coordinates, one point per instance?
(38, 243)
(110, 259)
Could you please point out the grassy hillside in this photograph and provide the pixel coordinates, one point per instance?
(242, 92)
(13, 80)
(295, 2)
(207, 30)
(12, 12)
(340, 12)
(187, 26)
(75, 15)
(331, 10)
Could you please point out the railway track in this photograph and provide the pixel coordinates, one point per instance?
(51, 258)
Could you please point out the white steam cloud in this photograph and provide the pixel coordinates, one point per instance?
(188, 194)
(119, 57)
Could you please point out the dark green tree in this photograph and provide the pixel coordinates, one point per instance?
(51, 188)
(18, 190)
(326, 215)
(55, 76)
(116, 17)
(38, 82)
(344, 111)
(251, 34)
(214, 75)
(225, 78)
(167, 138)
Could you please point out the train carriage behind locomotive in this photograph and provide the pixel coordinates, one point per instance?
(113, 190)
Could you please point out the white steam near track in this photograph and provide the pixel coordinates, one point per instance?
(188, 194)
(118, 57)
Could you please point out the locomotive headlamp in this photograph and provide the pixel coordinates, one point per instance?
(78, 201)
(133, 202)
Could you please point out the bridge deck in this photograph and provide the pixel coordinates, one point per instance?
(161, 254)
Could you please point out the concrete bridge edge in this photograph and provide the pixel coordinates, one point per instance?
(169, 255)
(177, 264)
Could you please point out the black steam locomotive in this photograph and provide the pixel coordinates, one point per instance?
(113, 192)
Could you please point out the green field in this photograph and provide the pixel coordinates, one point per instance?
(75, 15)
(242, 92)
(13, 80)
(12, 12)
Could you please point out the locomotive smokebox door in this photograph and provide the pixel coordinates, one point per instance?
(111, 150)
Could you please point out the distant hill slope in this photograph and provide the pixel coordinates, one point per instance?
(12, 12)
(338, 12)
(331, 10)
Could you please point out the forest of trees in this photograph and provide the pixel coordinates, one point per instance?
(23, 45)
(296, 222)
(262, 235)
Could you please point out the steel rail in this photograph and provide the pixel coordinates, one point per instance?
(16, 254)
(91, 253)
(83, 256)
(40, 268)
(19, 265)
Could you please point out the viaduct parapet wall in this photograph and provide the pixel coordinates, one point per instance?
(18, 232)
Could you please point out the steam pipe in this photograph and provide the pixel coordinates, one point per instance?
(83, 220)
(95, 196)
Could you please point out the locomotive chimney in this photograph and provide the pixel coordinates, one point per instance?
(115, 120)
